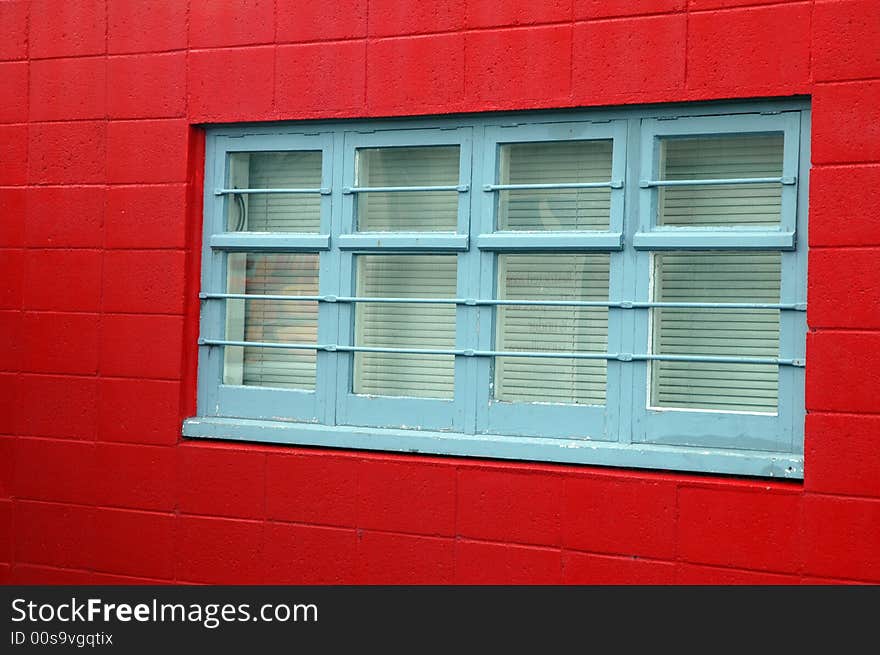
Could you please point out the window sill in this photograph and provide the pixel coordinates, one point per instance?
(567, 451)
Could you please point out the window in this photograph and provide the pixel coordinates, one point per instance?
(618, 288)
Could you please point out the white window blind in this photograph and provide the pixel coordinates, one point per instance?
(273, 321)
(555, 162)
(405, 325)
(721, 157)
(277, 212)
(552, 329)
(412, 211)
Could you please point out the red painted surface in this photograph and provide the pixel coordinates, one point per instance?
(100, 193)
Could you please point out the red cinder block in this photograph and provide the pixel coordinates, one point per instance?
(406, 497)
(58, 406)
(62, 217)
(328, 79)
(843, 206)
(54, 534)
(146, 26)
(234, 22)
(219, 551)
(5, 574)
(227, 85)
(146, 151)
(311, 21)
(125, 580)
(65, 89)
(14, 154)
(611, 515)
(60, 343)
(13, 208)
(134, 543)
(7, 452)
(415, 74)
(508, 506)
(138, 477)
(53, 470)
(489, 13)
(845, 37)
(12, 276)
(846, 123)
(693, 574)
(146, 86)
(700, 5)
(507, 68)
(390, 18)
(751, 528)
(10, 336)
(222, 481)
(587, 569)
(480, 563)
(833, 382)
(842, 537)
(140, 411)
(13, 91)
(6, 534)
(9, 411)
(67, 153)
(13, 18)
(844, 288)
(586, 9)
(842, 454)
(300, 554)
(312, 489)
(141, 346)
(391, 559)
(81, 290)
(618, 58)
(63, 29)
(29, 574)
(146, 281)
(146, 216)
(761, 50)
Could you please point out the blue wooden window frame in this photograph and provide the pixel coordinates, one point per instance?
(625, 431)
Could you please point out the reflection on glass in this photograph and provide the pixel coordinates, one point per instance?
(411, 211)
(284, 212)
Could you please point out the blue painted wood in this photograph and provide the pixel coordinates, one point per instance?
(625, 432)
(730, 461)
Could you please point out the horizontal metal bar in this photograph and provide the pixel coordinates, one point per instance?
(675, 239)
(718, 181)
(411, 242)
(536, 241)
(324, 191)
(461, 188)
(611, 184)
(618, 304)
(623, 357)
(290, 242)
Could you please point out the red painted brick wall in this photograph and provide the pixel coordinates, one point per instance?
(99, 229)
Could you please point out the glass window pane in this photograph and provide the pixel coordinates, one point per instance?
(721, 157)
(405, 325)
(716, 277)
(272, 320)
(554, 329)
(555, 162)
(411, 211)
(276, 212)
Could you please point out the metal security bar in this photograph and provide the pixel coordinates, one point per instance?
(619, 304)
(611, 184)
(461, 188)
(787, 180)
(622, 357)
(324, 191)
